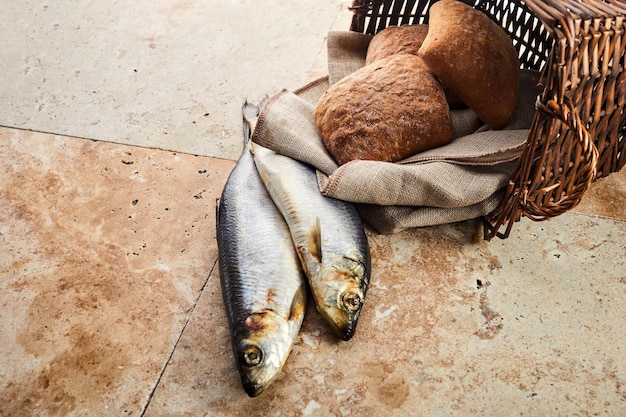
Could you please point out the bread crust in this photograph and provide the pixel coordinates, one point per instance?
(385, 111)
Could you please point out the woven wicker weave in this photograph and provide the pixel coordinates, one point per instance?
(578, 131)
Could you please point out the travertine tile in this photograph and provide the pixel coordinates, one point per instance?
(453, 326)
(341, 23)
(156, 73)
(105, 249)
(606, 197)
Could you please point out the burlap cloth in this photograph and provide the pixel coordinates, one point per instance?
(455, 182)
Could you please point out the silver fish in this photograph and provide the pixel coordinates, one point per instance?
(328, 234)
(263, 285)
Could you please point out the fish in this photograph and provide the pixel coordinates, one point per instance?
(329, 236)
(262, 281)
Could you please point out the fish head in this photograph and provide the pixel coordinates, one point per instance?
(341, 296)
(261, 348)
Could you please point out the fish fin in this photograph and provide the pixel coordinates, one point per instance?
(217, 211)
(251, 147)
(310, 263)
(314, 240)
(298, 304)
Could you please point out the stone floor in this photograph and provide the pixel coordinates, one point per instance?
(120, 126)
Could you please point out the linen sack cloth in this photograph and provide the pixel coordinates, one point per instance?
(459, 181)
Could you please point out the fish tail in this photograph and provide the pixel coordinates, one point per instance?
(250, 112)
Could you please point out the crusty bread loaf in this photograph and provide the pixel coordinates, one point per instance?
(385, 111)
(475, 58)
(405, 39)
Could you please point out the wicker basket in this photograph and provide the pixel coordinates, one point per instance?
(578, 130)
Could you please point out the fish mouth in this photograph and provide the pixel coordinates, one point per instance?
(347, 332)
(253, 389)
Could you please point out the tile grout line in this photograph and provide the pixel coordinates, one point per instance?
(182, 331)
(64, 135)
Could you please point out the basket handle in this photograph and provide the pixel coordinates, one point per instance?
(525, 195)
(564, 111)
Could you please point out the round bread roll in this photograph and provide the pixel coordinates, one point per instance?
(475, 58)
(405, 39)
(385, 111)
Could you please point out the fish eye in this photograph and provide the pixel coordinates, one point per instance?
(252, 355)
(351, 301)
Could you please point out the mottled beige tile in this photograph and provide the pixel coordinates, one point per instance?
(342, 22)
(105, 249)
(452, 326)
(606, 197)
(157, 73)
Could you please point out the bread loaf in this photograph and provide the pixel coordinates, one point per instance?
(475, 58)
(385, 111)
